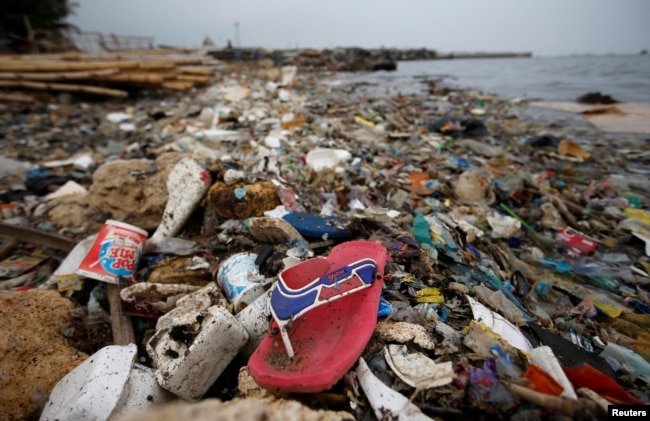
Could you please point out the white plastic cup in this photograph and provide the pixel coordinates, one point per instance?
(240, 279)
(255, 319)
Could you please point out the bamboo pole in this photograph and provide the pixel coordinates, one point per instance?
(148, 78)
(194, 78)
(71, 66)
(129, 56)
(178, 85)
(58, 66)
(62, 87)
(106, 55)
(58, 75)
(160, 64)
(15, 97)
(199, 71)
(117, 55)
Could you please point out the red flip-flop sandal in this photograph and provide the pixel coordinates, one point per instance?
(325, 313)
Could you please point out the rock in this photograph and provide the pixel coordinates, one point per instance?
(596, 98)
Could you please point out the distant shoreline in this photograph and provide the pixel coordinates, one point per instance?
(451, 56)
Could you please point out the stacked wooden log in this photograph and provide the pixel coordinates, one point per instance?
(110, 74)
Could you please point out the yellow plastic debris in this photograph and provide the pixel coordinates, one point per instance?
(429, 295)
(362, 120)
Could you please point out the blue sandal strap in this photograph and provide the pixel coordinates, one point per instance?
(288, 304)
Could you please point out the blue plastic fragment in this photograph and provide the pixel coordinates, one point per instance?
(38, 172)
(315, 226)
(504, 366)
(642, 307)
(561, 267)
(443, 315)
(461, 163)
(474, 251)
(541, 288)
(240, 193)
(46, 226)
(385, 308)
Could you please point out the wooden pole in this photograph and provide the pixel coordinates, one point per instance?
(194, 78)
(63, 87)
(34, 236)
(121, 325)
(15, 97)
(58, 75)
(198, 71)
(73, 66)
(178, 85)
(149, 78)
(59, 66)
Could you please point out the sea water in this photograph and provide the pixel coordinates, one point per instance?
(624, 77)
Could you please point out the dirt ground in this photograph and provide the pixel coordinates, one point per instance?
(34, 355)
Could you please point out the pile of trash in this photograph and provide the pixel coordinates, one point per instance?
(283, 242)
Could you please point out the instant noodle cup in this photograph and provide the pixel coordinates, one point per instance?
(115, 253)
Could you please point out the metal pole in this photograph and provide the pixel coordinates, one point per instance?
(237, 35)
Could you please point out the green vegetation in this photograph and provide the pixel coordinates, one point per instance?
(28, 19)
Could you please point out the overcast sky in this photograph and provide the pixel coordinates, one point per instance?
(544, 27)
